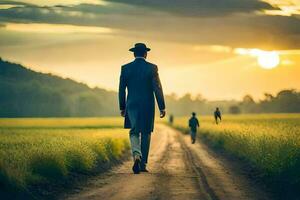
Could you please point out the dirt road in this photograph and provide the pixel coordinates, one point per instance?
(178, 170)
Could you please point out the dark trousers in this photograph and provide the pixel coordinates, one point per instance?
(193, 135)
(145, 146)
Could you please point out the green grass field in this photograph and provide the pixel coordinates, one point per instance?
(270, 143)
(42, 151)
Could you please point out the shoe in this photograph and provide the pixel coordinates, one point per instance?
(136, 166)
(144, 169)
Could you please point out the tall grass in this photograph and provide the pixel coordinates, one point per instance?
(59, 123)
(270, 143)
(52, 152)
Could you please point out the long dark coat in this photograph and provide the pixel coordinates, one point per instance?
(142, 81)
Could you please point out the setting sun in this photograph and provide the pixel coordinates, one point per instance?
(268, 60)
(265, 59)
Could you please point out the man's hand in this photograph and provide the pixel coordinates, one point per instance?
(123, 113)
(162, 113)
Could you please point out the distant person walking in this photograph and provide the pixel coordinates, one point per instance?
(171, 119)
(217, 115)
(193, 124)
(142, 81)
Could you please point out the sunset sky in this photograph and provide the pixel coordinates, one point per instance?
(217, 48)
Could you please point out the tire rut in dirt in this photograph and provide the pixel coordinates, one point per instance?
(195, 166)
(176, 180)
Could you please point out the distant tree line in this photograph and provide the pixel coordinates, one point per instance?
(26, 93)
(286, 101)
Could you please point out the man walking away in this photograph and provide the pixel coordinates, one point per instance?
(193, 124)
(217, 115)
(141, 80)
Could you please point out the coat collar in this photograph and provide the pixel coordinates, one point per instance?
(140, 58)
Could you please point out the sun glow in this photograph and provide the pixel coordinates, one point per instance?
(268, 60)
(55, 28)
(265, 59)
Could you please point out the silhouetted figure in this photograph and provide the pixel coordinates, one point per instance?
(193, 124)
(217, 115)
(171, 119)
(142, 81)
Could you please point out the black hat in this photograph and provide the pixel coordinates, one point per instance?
(139, 47)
